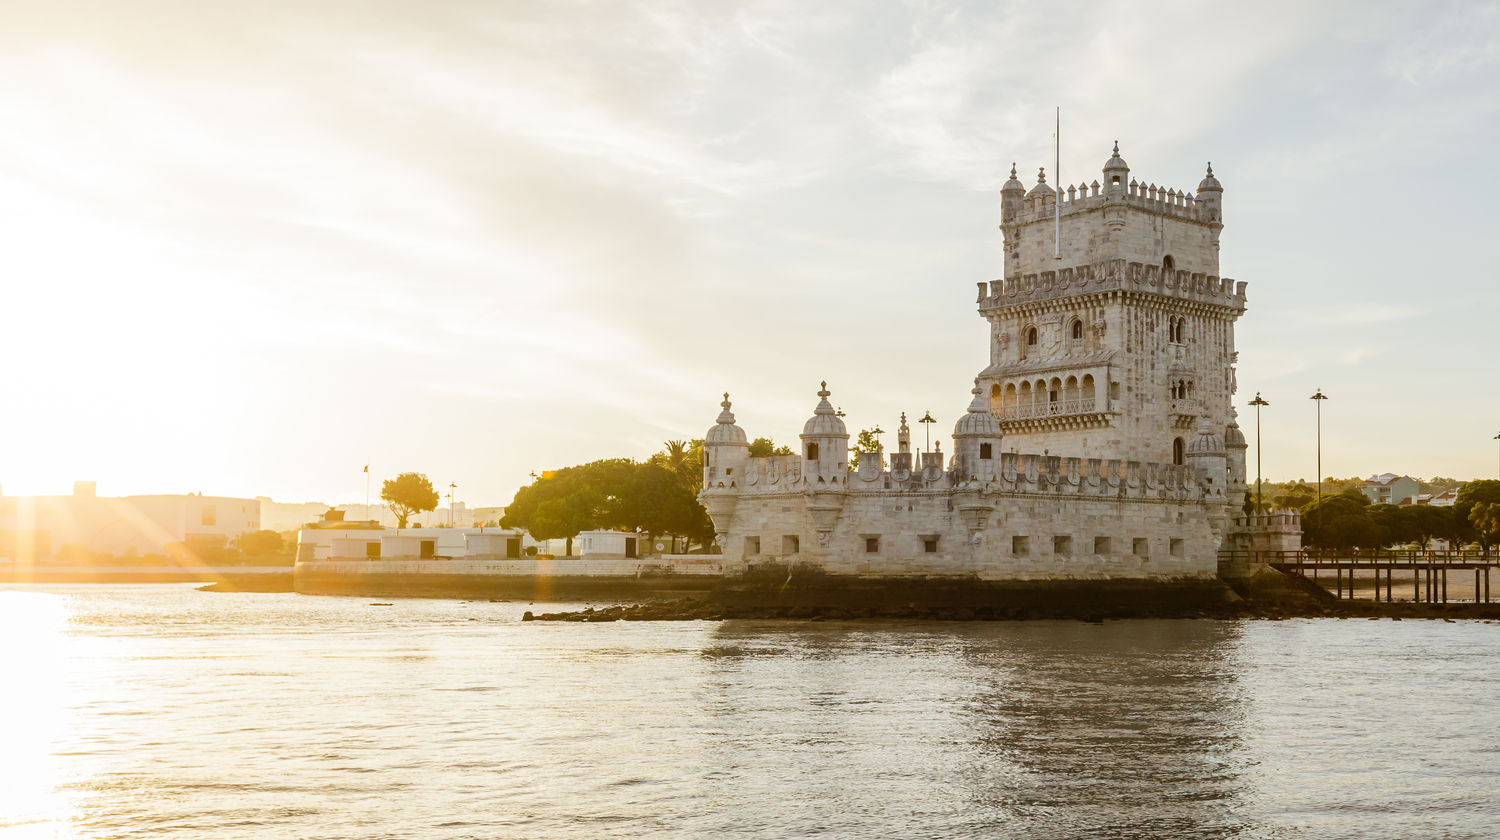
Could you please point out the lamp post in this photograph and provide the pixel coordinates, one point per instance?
(451, 487)
(1257, 402)
(1319, 397)
(927, 422)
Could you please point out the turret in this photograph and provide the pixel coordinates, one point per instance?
(1211, 197)
(1116, 175)
(825, 443)
(1041, 193)
(725, 450)
(1012, 197)
(1206, 455)
(1235, 448)
(976, 439)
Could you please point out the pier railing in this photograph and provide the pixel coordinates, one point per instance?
(1426, 571)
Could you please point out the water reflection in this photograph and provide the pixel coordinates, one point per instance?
(34, 705)
(1034, 729)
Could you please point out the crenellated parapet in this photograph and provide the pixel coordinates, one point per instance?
(1007, 472)
(1087, 197)
(1111, 275)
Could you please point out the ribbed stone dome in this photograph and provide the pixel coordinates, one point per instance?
(825, 421)
(1209, 182)
(1206, 442)
(1115, 162)
(726, 432)
(978, 421)
(1014, 184)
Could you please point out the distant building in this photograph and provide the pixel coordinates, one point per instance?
(39, 527)
(1390, 489)
(288, 516)
(1445, 498)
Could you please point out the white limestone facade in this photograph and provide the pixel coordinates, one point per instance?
(1099, 443)
(1115, 344)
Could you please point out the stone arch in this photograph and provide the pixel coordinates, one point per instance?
(1029, 338)
(1177, 451)
(1086, 387)
(1075, 329)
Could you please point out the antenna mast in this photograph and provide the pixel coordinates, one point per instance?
(1057, 177)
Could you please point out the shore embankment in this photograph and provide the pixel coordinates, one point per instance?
(1269, 595)
(217, 578)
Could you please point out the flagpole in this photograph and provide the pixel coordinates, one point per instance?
(367, 488)
(1057, 177)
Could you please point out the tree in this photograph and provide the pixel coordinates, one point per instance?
(1338, 521)
(1485, 519)
(616, 494)
(259, 543)
(683, 459)
(865, 441)
(1472, 493)
(763, 447)
(1429, 522)
(1392, 523)
(408, 493)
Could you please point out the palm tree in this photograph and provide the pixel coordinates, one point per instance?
(683, 459)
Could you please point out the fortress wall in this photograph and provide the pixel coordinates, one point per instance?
(1142, 539)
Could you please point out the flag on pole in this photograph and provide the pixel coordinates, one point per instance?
(367, 467)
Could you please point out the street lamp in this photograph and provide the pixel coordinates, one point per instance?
(1257, 402)
(927, 421)
(1320, 397)
(451, 487)
(1497, 437)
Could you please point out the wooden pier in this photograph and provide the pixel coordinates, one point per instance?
(1426, 574)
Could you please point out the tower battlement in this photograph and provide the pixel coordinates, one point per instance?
(1112, 274)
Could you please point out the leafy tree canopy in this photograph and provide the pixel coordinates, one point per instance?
(408, 493)
(1472, 493)
(615, 494)
(1339, 521)
(763, 447)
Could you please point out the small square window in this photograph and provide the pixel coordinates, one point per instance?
(752, 545)
(372, 551)
(872, 545)
(1177, 547)
(729, 470)
(790, 544)
(1020, 546)
(929, 545)
(1140, 547)
(985, 451)
(1101, 545)
(1062, 545)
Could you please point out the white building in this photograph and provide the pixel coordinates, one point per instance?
(39, 527)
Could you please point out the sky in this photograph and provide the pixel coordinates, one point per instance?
(250, 247)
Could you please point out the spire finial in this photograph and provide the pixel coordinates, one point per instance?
(1210, 168)
(1041, 175)
(1117, 148)
(823, 389)
(725, 403)
(1012, 169)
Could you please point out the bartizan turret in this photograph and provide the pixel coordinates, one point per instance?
(725, 451)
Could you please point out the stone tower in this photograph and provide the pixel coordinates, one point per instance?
(1118, 342)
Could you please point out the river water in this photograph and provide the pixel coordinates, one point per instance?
(158, 711)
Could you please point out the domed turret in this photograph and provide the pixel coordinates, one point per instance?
(724, 450)
(825, 442)
(976, 439)
(1116, 174)
(1235, 446)
(1012, 195)
(1211, 196)
(1206, 454)
(726, 431)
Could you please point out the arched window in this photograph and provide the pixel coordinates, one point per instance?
(1168, 264)
(1177, 451)
(1028, 341)
(1076, 330)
